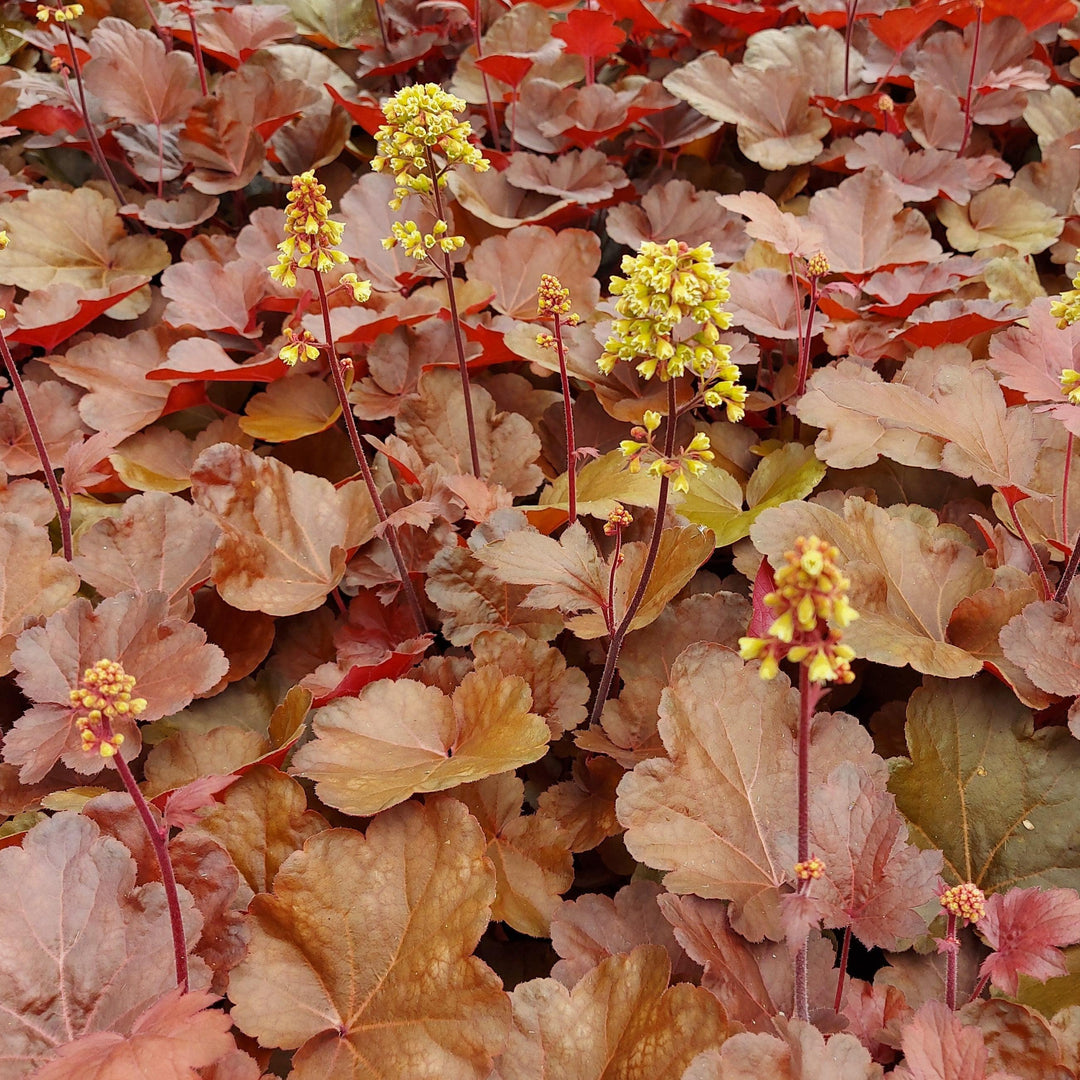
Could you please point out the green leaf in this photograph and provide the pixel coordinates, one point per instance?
(998, 798)
(602, 483)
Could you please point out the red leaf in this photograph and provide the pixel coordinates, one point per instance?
(67, 309)
(590, 33)
(1026, 928)
(506, 67)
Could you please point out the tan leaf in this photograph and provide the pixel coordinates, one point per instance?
(621, 1019)
(284, 533)
(533, 865)
(398, 738)
(1044, 642)
(434, 424)
(76, 237)
(1002, 214)
(290, 409)
(361, 956)
(907, 572)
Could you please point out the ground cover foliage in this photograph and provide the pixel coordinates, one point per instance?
(429, 738)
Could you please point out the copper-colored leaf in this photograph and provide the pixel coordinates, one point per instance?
(284, 533)
(533, 865)
(84, 949)
(1043, 640)
(620, 1019)
(401, 737)
(361, 955)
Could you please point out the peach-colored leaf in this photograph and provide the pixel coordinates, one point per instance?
(583, 176)
(361, 956)
(261, 820)
(1044, 641)
(177, 1034)
(513, 265)
(55, 407)
(33, 582)
(157, 541)
(136, 79)
(77, 237)
(788, 233)
(397, 738)
(533, 865)
(168, 658)
(907, 574)
(719, 811)
(284, 533)
(1002, 214)
(621, 1019)
(434, 424)
(84, 949)
(938, 1045)
(584, 806)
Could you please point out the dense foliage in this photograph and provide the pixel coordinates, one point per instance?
(665, 664)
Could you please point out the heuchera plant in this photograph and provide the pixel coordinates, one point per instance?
(540, 540)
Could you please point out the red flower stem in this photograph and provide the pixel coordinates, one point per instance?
(805, 341)
(615, 644)
(382, 27)
(845, 948)
(361, 459)
(802, 998)
(1065, 489)
(980, 986)
(971, 78)
(616, 558)
(493, 120)
(157, 837)
(798, 305)
(1047, 591)
(1068, 573)
(849, 28)
(950, 961)
(95, 145)
(568, 413)
(447, 270)
(197, 49)
(513, 118)
(63, 508)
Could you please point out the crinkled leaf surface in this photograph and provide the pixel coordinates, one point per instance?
(361, 956)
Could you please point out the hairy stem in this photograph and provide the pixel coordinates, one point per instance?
(95, 145)
(197, 49)
(980, 986)
(615, 644)
(493, 120)
(845, 948)
(1065, 488)
(849, 28)
(568, 414)
(950, 961)
(971, 78)
(1046, 590)
(337, 374)
(802, 999)
(447, 270)
(1068, 573)
(805, 341)
(63, 507)
(616, 558)
(157, 837)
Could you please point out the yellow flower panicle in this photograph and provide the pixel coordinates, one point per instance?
(665, 284)
(617, 520)
(419, 119)
(810, 594)
(965, 901)
(64, 13)
(300, 347)
(553, 302)
(818, 265)
(311, 238)
(810, 870)
(1067, 309)
(1070, 385)
(104, 695)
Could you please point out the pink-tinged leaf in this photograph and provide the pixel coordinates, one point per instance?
(197, 359)
(955, 321)
(231, 35)
(85, 464)
(790, 235)
(177, 1034)
(284, 533)
(874, 879)
(55, 406)
(622, 1018)
(719, 812)
(901, 290)
(212, 296)
(361, 956)
(136, 79)
(1027, 928)
(1044, 641)
(51, 315)
(938, 1045)
(1031, 358)
(169, 659)
(84, 949)
(182, 806)
(583, 176)
(591, 928)
(763, 302)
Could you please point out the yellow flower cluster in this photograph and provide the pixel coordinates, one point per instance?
(104, 695)
(966, 901)
(419, 120)
(664, 284)
(300, 347)
(810, 593)
(416, 243)
(818, 265)
(690, 459)
(553, 302)
(810, 870)
(619, 518)
(1070, 385)
(311, 238)
(62, 14)
(1067, 309)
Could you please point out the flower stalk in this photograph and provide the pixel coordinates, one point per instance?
(967, 904)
